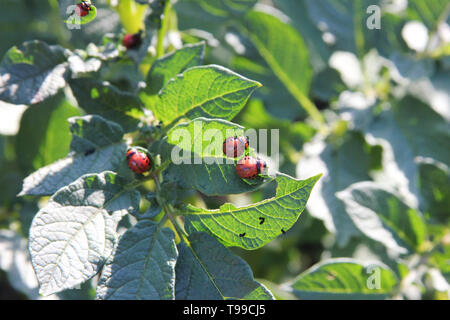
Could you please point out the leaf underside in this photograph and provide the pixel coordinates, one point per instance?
(255, 225)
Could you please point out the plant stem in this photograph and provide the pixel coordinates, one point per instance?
(162, 31)
(309, 107)
(297, 93)
(168, 210)
(131, 15)
(182, 233)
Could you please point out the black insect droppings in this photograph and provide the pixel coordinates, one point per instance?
(261, 220)
(242, 234)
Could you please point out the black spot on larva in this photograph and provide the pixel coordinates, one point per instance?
(90, 151)
(242, 234)
(261, 220)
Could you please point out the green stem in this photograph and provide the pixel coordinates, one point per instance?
(310, 107)
(301, 97)
(131, 15)
(168, 209)
(162, 31)
(358, 25)
(182, 233)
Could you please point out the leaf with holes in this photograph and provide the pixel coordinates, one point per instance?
(255, 225)
(71, 237)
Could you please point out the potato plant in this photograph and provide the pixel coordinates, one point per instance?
(241, 149)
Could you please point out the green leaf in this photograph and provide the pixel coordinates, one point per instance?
(411, 68)
(434, 186)
(434, 91)
(253, 226)
(212, 179)
(429, 13)
(97, 146)
(209, 91)
(327, 85)
(347, 21)
(32, 72)
(142, 266)
(422, 126)
(383, 217)
(345, 279)
(71, 237)
(227, 8)
(18, 21)
(203, 137)
(196, 151)
(294, 134)
(344, 19)
(412, 125)
(102, 98)
(44, 134)
(191, 15)
(207, 270)
(92, 132)
(284, 51)
(441, 260)
(154, 208)
(298, 13)
(343, 164)
(168, 66)
(277, 99)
